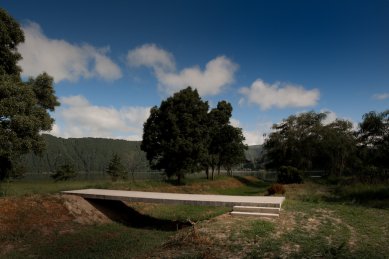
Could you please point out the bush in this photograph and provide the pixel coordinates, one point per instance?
(276, 189)
(289, 174)
(116, 169)
(64, 173)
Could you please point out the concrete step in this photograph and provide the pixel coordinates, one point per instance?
(255, 214)
(256, 209)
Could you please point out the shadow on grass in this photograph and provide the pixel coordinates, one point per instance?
(118, 211)
(372, 196)
(249, 183)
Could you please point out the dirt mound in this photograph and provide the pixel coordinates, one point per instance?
(45, 215)
(82, 211)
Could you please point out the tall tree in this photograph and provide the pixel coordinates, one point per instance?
(232, 147)
(225, 146)
(218, 118)
(24, 106)
(175, 134)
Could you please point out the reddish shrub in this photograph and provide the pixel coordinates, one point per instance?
(276, 189)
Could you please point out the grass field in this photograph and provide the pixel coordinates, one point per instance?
(317, 220)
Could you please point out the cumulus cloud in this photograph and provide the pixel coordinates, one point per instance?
(382, 96)
(77, 117)
(279, 95)
(63, 60)
(253, 137)
(150, 55)
(217, 74)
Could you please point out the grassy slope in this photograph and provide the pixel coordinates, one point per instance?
(317, 221)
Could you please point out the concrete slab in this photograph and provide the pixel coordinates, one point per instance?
(180, 198)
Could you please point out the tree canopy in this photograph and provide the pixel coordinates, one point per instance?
(305, 142)
(373, 139)
(24, 106)
(181, 135)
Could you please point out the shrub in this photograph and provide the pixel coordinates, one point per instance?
(276, 189)
(289, 174)
(64, 173)
(116, 169)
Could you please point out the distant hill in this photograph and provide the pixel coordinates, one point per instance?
(86, 154)
(94, 154)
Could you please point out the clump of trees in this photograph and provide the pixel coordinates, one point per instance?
(182, 136)
(305, 142)
(24, 106)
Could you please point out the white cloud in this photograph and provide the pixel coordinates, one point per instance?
(253, 137)
(382, 96)
(331, 116)
(217, 74)
(279, 95)
(150, 55)
(235, 122)
(63, 60)
(77, 117)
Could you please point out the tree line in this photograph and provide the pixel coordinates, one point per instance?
(305, 142)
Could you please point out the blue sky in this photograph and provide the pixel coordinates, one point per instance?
(113, 60)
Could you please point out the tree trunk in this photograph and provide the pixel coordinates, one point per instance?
(207, 172)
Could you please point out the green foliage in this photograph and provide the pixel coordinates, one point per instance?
(373, 151)
(305, 142)
(87, 154)
(181, 136)
(289, 174)
(116, 169)
(174, 136)
(225, 145)
(24, 106)
(10, 36)
(276, 188)
(64, 173)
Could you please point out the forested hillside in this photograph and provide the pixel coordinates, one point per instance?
(94, 154)
(86, 154)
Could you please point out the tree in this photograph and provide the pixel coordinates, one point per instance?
(305, 142)
(373, 149)
(10, 36)
(116, 169)
(175, 134)
(218, 118)
(64, 173)
(294, 141)
(24, 106)
(232, 147)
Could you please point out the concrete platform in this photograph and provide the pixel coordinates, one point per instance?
(179, 198)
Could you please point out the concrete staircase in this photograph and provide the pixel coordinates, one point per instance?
(265, 211)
